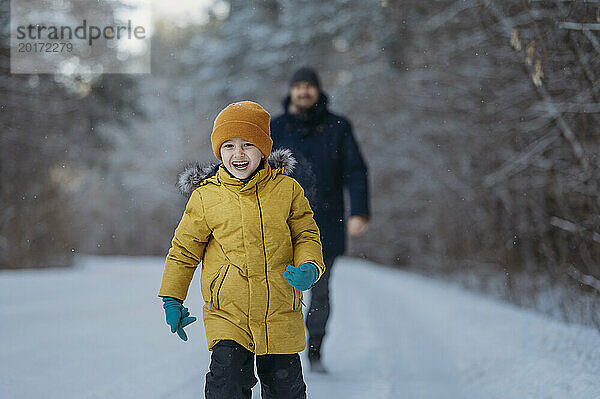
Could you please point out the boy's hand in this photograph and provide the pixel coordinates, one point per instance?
(177, 316)
(302, 277)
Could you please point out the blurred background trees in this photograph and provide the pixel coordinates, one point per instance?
(478, 120)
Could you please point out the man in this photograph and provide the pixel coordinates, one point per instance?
(329, 160)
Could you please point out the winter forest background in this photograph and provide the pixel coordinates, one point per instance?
(478, 119)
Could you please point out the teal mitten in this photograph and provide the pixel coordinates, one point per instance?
(303, 276)
(177, 316)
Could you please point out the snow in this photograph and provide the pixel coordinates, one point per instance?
(98, 331)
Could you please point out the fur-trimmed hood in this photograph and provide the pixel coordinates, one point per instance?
(194, 174)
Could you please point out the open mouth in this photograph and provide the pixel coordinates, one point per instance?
(240, 165)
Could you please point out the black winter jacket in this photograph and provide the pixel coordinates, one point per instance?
(329, 160)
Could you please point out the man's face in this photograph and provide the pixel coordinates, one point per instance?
(304, 95)
(240, 157)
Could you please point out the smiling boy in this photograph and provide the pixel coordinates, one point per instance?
(253, 230)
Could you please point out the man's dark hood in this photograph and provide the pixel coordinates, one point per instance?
(315, 113)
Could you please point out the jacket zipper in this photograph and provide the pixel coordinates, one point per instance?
(220, 285)
(262, 232)
(294, 303)
(212, 283)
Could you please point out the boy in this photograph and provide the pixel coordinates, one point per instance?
(253, 230)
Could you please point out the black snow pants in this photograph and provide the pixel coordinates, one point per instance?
(231, 374)
(318, 311)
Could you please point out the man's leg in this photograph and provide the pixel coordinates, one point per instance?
(318, 314)
(231, 372)
(280, 376)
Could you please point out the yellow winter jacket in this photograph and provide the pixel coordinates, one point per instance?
(245, 234)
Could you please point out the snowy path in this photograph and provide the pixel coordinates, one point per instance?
(98, 331)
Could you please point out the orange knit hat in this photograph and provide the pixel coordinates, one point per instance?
(245, 120)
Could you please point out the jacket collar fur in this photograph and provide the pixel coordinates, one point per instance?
(196, 174)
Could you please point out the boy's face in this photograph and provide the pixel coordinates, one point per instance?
(240, 157)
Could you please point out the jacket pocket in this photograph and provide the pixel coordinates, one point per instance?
(294, 300)
(215, 286)
(297, 299)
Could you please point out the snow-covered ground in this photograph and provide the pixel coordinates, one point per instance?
(98, 331)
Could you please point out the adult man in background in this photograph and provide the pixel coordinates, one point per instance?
(329, 160)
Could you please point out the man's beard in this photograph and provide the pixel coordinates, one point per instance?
(305, 110)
